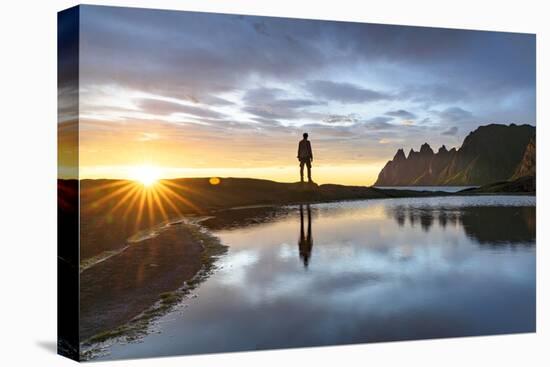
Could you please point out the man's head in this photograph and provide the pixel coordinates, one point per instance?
(305, 136)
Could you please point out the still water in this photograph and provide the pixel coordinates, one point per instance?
(429, 188)
(356, 272)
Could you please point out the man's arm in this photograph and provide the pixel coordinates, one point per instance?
(310, 150)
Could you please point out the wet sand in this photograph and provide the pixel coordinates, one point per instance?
(118, 289)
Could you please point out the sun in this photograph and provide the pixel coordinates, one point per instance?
(146, 175)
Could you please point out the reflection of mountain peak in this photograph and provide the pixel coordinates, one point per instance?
(495, 225)
(488, 154)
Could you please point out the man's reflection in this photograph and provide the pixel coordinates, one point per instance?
(305, 244)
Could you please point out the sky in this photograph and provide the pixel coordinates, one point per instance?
(200, 94)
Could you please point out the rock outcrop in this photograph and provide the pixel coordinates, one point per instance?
(488, 154)
(527, 167)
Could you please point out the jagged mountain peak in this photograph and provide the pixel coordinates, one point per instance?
(488, 154)
(426, 149)
(400, 155)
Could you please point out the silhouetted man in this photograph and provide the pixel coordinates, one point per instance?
(305, 244)
(305, 156)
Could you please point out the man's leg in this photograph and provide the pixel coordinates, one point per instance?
(309, 171)
(301, 171)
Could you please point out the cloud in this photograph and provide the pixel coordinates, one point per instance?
(454, 114)
(390, 141)
(261, 28)
(169, 53)
(267, 121)
(452, 131)
(262, 95)
(144, 136)
(268, 103)
(343, 92)
(341, 118)
(435, 93)
(212, 100)
(379, 123)
(161, 107)
(245, 76)
(402, 114)
(379, 120)
(268, 113)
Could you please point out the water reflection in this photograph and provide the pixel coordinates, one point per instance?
(487, 225)
(383, 270)
(305, 243)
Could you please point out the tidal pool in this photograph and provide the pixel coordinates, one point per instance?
(358, 272)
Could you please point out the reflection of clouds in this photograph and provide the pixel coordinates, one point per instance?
(358, 289)
(236, 265)
(403, 252)
(287, 251)
(355, 241)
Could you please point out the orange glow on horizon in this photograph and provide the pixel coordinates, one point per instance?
(122, 151)
(148, 175)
